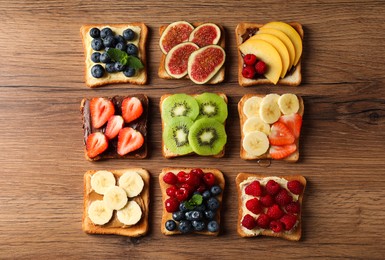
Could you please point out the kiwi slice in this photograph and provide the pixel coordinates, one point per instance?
(212, 105)
(207, 136)
(175, 135)
(179, 105)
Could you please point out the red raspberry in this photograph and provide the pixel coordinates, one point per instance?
(274, 212)
(202, 187)
(170, 178)
(171, 191)
(260, 67)
(295, 187)
(192, 179)
(272, 187)
(198, 172)
(263, 221)
(293, 207)
(248, 72)
(254, 206)
(188, 187)
(267, 200)
(171, 204)
(181, 177)
(249, 59)
(254, 189)
(209, 179)
(249, 222)
(182, 194)
(283, 198)
(276, 226)
(288, 221)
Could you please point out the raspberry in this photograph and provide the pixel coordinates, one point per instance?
(274, 212)
(293, 207)
(295, 187)
(248, 72)
(249, 222)
(263, 221)
(181, 176)
(170, 178)
(283, 198)
(254, 206)
(288, 221)
(171, 204)
(260, 67)
(272, 187)
(170, 191)
(209, 179)
(201, 188)
(254, 189)
(276, 226)
(249, 59)
(267, 200)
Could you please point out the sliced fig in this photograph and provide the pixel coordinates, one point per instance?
(175, 33)
(205, 34)
(205, 62)
(177, 59)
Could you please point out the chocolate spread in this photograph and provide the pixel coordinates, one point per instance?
(249, 32)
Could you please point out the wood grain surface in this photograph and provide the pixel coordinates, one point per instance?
(342, 142)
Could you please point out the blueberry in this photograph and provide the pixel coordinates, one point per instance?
(212, 203)
(95, 57)
(119, 38)
(209, 214)
(121, 46)
(97, 44)
(118, 66)
(215, 190)
(170, 225)
(201, 207)
(128, 34)
(97, 71)
(105, 32)
(196, 215)
(185, 226)
(188, 215)
(206, 194)
(198, 225)
(109, 41)
(178, 215)
(95, 33)
(110, 67)
(213, 226)
(129, 72)
(132, 49)
(182, 207)
(105, 58)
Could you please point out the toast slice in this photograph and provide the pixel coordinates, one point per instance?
(114, 226)
(169, 154)
(139, 124)
(218, 77)
(220, 181)
(140, 78)
(243, 31)
(242, 181)
(242, 117)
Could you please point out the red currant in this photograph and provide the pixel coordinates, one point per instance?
(209, 179)
(171, 204)
(198, 172)
(182, 194)
(181, 177)
(170, 178)
(192, 179)
(171, 191)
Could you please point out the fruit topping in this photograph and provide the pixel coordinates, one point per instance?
(254, 189)
(129, 140)
(255, 143)
(293, 122)
(254, 205)
(95, 32)
(260, 67)
(170, 178)
(175, 33)
(267, 200)
(114, 124)
(175, 135)
(283, 198)
(209, 179)
(101, 181)
(205, 34)
(99, 213)
(288, 221)
(280, 134)
(295, 187)
(293, 207)
(249, 222)
(130, 214)
(128, 34)
(288, 104)
(132, 183)
(101, 110)
(132, 109)
(248, 72)
(276, 226)
(250, 59)
(115, 198)
(96, 144)
(274, 212)
(171, 204)
(263, 221)
(280, 152)
(97, 71)
(177, 59)
(212, 105)
(179, 105)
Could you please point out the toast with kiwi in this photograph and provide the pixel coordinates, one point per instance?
(124, 63)
(195, 206)
(280, 50)
(116, 202)
(187, 122)
(270, 205)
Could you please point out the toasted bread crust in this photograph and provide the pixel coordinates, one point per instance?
(293, 236)
(218, 78)
(166, 215)
(293, 78)
(143, 199)
(139, 79)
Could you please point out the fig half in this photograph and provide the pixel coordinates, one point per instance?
(175, 33)
(177, 59)
(205, 34)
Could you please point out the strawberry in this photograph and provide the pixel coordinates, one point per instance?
(114, 124)
(293, 122)
(280, 134)
(101, 110)
(131, 109)
(129, 140)
(280, 152)
(96, 144)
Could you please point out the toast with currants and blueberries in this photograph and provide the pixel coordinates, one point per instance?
(115, 127)
(116, 202)
(269, 53)
(270, 126)
(193, 124)
(114, 53)
(192, 200)
(270, 205)
(194, 51)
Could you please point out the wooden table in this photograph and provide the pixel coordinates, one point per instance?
(342, 143)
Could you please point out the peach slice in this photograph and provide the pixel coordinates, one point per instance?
(267, 53)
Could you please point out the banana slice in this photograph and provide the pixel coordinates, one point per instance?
(115, 198)
(251, 106)
(101, 181)
(256, 143)
(256, 124)
(130, 214)
(288, 103)
(269, 110)
(99, 213)
(132, 183)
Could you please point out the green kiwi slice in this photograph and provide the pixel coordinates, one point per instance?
(207, 136)
(175, 135)
(212, 105)
(179, 105)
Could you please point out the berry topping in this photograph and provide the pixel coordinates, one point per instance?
(293, 122)
(119, 67)
(201, 188)
(274, 212)
(209, 214)
(170, 191)
(213, 203)
(249, 222)
(281, 152)
(170, 225)
(114, 124)
(272, 187)
(295, 187)
(263, 221)
(260, 67)
(288, 221)
(182, 194)
(198, 172)
(213, 226)
(178, 215)
(132, 49)
(104, 58)
(185, 226)
(129, 140)
(97, 71)
(283, 197)
(128, 34)
(206, 194)
(129, 72)
(280, 134)
(171, 204)
(193, 180)
(170, 178)
(132, 109)
(249, 59)
(254, 206)
(198, 225)
(110, 67)
(181, 176)
(95, 57)
(254, 189)
(215, 190)
(96, 144)
(293, 207)
(105, 32)
(101, 110)
(267, 200)
(95, 32)
(276, 226)
(209, 179)
(248, 72)
(97, 44)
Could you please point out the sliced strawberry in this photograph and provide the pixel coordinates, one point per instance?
(293, 122)
(283, 151)
(280, 134)
(96, 144)
(131, 109)
(101, 110)
(129, 140)
(114, 124)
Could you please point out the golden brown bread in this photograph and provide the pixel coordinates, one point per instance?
(293, 76)
(294, 235)
(112, 78)
(114, 226)
(167, 216)
(218, 78)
